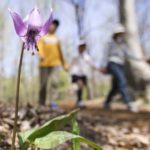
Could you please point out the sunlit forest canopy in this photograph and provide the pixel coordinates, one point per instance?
(98, 24)
(98, 20)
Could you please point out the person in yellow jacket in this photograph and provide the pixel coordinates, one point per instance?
(50, 60)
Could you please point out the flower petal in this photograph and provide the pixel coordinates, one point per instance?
(19, 25)
(47, 24)
(35, 19)
(26, 20)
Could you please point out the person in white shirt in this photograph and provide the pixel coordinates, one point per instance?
(80, 70)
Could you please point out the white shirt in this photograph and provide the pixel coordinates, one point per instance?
(81, 65)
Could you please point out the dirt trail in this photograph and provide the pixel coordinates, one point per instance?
(117, 129)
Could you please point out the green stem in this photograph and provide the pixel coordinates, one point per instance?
(17, 99)
(75, 130)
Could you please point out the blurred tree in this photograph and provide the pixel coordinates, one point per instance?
(144, 23)
(138, 71)
(79, 8)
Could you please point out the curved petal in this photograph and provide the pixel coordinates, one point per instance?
(47, 24)
(35, 19)
(26, 20)
(19, 25)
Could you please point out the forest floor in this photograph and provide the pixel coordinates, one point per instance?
(117, 129)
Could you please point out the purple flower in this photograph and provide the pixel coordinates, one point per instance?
(31, 28)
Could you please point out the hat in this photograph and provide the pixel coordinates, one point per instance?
(81, 42)
(119, 29)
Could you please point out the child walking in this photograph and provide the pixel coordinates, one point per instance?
(80, 70)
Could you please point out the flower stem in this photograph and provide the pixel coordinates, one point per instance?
(17, 99)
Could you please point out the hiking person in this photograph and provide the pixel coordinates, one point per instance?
(80, 70)
(113, 63)
(50, 61)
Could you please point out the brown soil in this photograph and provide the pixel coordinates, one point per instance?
(117, 129)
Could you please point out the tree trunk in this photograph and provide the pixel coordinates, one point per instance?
(79, 9)
(139, 71)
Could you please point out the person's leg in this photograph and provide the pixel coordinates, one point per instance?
(80, 102)
(112, 93)
(119, 74)
(82, 82)
(75, 80)
(124, 91)
(123, 87)
(79, 95)
(43, 73)
(55, 81)
(79, 90)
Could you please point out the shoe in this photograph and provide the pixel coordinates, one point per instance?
(106, 106)
(80, 104)
(54, 106)
(132, 107)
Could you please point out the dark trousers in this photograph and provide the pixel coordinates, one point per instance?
(81, 81)
(119, 83)
(79, 94)
(45, 73)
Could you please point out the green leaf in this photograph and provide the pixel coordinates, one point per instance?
(23, 138)
(75, 130)
(52, 125)
(56, 138)
(75, 127)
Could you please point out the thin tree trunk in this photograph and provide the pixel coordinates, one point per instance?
(79, 10)
(140, 70)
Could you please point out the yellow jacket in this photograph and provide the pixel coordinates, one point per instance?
(49, 51)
